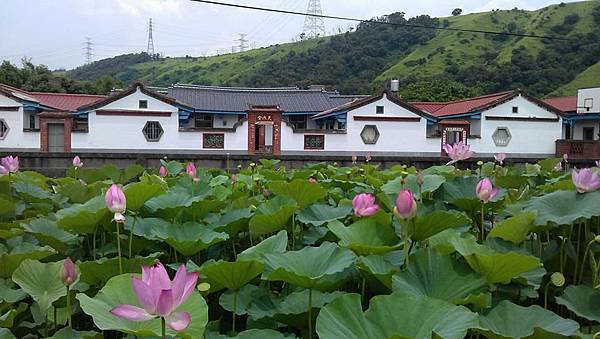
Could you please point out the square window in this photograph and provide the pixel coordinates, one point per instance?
(314, 142)
(588, 104)
(379, 110)
(213, 140)
(298, 121)
(203, 121)
(143, 104)
(153, 131)
(588, 133)
(515, 109)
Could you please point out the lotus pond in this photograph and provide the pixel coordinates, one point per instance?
(319, 252)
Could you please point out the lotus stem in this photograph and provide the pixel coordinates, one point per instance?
(310, 330)
(234, 311)
(55, 321)
(546, 294)
(585, 254)
(94, 242)
(68, 310)
(131, 237)
(482, 226)
(577, 254)
(119, 249)
(163, 328)
(560, 257)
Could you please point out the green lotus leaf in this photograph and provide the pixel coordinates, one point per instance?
(7, 319)
(173, 167)
(582, 300)
(515, 228)
(7, 205)
(118, 291)
(78, 192)
(460, 192)
(564, 207)
(83, 218)
(433, 223)
(508, 320)
(69, 333)
(431, 183)
(245, 296)
(231, 275)
(98, 272)
(310, 267)
(272, 216)
(379, 267)
(138, 193)
(394, 316)
(300, 190)
(48, 233)
(252, 334)
(319, 214)
(178, 196)
(5, 333)
(436, 275)
(232, 221)
(274, 244)
(365, 237)
(189, 238)
(41, 281)
(8, 293)
(11, 258)
(31, 192)
(496, 267)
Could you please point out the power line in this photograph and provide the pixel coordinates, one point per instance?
(314, 25)
(265, 9)
(88, 50)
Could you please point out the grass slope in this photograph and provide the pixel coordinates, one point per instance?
(588, 78)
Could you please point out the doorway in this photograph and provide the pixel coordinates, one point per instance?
(56, 137)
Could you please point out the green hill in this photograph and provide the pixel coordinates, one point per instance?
(588, 78)
(366, 58)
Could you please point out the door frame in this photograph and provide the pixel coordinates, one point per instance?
(260, 116)
(61, 118)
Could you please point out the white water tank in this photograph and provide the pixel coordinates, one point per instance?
(395, 86)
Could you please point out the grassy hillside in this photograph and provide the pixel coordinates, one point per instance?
(588, 78)
(364, 60)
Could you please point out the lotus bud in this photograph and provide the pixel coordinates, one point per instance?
(190, 170)
(162, 171)
(233, 179)
(68, 273)
(566, 157)
(364, 205)
(485, 191)
(557, 279)
(116, 202)
(558, 167)
(312, 180)
(406, 206)
(354, 158)
(597, 163)
(10, 164)
(500, 157)
(77, 162)
(368, 157)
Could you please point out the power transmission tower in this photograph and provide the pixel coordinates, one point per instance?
(150, 49)
(243, 46)
(88, 50)
(314, 26)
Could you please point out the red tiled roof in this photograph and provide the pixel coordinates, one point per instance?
(565, 104)
(440, 109)
(65, 102)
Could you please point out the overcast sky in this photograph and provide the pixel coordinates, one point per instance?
(52, 32)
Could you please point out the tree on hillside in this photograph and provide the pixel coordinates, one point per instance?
(457, 12)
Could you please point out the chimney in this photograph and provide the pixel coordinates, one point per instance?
(395, 86)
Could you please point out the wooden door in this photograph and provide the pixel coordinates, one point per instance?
(56, 137)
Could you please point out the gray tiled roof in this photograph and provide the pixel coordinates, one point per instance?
(238, 99)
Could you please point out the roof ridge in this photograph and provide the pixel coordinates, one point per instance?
(247, 89)
(481, 97)
(71, 94)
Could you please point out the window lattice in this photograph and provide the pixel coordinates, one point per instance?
(153, 131)
(314, 142)
(502, 136)
(3, 129)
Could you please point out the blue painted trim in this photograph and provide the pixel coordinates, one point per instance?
(474, 115)
(332, 114)
(584, 117)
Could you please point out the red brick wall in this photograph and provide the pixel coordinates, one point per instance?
(44, 121)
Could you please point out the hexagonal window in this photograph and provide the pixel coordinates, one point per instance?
(3, 129)
(370, 134)
(501, 136)
(153, 131)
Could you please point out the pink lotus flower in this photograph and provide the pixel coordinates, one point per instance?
(368, 157)
(191, 170)
(3, 171)
(485, 191)
(597, 163)
(68, 274)
(10, 163)
(116, 202)
(77, 162)
(566, 157)
(312, 180)
(406, 206)
(160, 297)
(364, 205)
(500, 157)
(586, 180)
(354, 158)
(558, 167)
(162, 171)
(458, 152)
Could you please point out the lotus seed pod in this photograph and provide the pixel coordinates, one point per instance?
(479, 163)
(557, 279)
(203, 287)
(597, 238)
